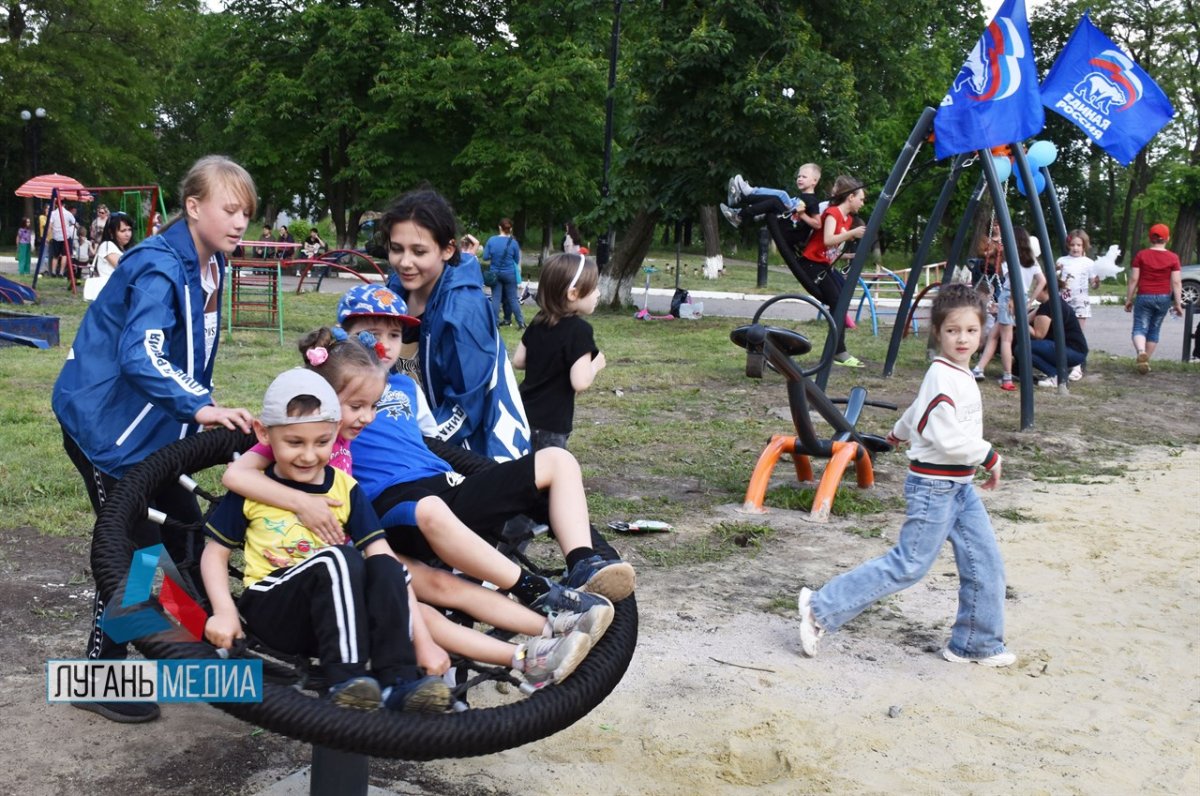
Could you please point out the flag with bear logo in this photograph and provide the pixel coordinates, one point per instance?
(994, 99)
(1099, 88)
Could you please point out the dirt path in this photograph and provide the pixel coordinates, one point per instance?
(1104, 594)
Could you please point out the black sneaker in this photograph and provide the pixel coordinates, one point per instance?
(562, 600)
(428, 694)
(598, 575)
(122, 712)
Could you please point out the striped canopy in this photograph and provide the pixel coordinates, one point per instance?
(68, 188)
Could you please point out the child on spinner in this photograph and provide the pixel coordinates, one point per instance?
(944, 428)
(355, 372)
(305, 596)
(558, 351)
(430, 510)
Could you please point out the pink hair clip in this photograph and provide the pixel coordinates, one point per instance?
(316, 356)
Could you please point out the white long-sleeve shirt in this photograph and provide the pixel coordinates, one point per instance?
(944, 426)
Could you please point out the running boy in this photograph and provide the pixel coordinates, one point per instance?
(303, 596)
(430, 510)
(944, 427)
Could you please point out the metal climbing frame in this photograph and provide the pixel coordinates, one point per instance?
(253, 298)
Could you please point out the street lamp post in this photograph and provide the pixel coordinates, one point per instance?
(33, 145)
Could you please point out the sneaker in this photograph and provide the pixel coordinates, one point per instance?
(424, 695)
(810, 631)
(733, 194)
(997, 661)
(744, 188)
(551, 660)
(594, 621)
(849, 362)
(357, 693)
(561, 600)
(122, 712)
(1007, 385)
(731, 215)
(977, 373)
(1049, 381)
(597, 575)
(504, 323)
(1076, 373)
(1143, 363)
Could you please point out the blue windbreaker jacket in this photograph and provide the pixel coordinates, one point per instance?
(135, 375)
(468, 379)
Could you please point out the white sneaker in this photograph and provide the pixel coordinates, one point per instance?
(731, 215)
(1049, 381)
(977, 373)
(810, 631)
(594, 621)
(1076, 373)
(733, 192)
(997, 661)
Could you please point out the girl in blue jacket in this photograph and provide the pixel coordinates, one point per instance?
(464, 367)
(139, 373)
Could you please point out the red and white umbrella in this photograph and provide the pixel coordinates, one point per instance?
(68, 188)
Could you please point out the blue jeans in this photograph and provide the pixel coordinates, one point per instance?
(937, 510)
(1148, 314)
(506, 287)
(1043, 357)
(788, 202)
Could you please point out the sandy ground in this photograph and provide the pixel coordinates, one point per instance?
(1104, 611)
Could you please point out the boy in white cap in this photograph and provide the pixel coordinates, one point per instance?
(303, 596)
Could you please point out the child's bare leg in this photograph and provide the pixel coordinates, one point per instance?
(1006, 337)
(460, 547)
(541, 660)
(557, 471)
(466, 641)
(447, 590)
(989, 348)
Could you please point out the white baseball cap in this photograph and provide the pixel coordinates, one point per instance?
(292, 384)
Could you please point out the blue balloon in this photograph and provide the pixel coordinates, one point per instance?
(1039, 182)
(1042, 153)
(1003, 167)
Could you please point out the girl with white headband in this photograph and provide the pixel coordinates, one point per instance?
(558, 351)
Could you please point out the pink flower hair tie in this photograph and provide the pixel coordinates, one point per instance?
(316, 356)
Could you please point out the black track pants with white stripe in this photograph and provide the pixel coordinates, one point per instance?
(343, 608)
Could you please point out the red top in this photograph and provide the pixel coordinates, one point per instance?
(816, 250)
(1155, 267)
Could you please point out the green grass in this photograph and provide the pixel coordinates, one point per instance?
(722, 541)
(670, 429)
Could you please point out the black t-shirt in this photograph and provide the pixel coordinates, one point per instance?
(550, 351)
(1071, 329)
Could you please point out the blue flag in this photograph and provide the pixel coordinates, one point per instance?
(1099, 88)
(994, 100)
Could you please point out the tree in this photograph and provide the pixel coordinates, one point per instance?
(95, 67)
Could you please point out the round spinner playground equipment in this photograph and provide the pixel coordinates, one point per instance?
(290, 711)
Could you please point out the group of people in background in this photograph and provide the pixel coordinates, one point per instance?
(342, 454)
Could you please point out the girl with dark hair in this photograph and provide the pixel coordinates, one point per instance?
(462, 364)
(572, 240)
(502, 253)
(824, 248)
(558, 350)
